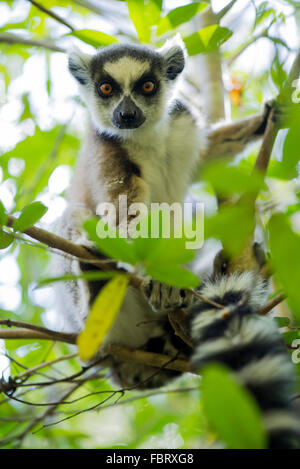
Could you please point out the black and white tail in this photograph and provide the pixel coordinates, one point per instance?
(250, 345)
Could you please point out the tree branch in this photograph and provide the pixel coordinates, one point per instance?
(261, 165)
(14, 39)
(28, 331)
(51, 14)
(57, 242)
(272, 129)
(208, 70)
(89, 6)
(44, 332)
(225, 10)
(271, 304)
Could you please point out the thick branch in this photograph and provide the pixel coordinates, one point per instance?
(208, 70)
(157, 360)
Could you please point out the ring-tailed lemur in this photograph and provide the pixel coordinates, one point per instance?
(143, 143)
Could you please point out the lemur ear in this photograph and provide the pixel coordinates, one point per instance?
(174, 52)
(79, 64)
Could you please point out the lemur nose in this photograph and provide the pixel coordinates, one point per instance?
(128, 116)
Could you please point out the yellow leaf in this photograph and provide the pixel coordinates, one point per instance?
(102, 315)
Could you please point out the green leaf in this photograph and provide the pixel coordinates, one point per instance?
(231, 410)
(102, 315)
(278, 74)
(153, 11)
(138, 14)
(291, 152)
(174, 276)
(263, 12)
(3, 216)
(282, 321)
(290, 336)
(5, 240)
(279, 41)
(232, 225)
(29, 216)
(158, 244)
(285, 256)
(26, 114)
(115, 248)
(53, 149)
(178, 16)
(227, 179)
(163, 250)
(94, 38)
(207, 39)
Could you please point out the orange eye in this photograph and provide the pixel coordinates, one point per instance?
(148, 87)
(105, 89)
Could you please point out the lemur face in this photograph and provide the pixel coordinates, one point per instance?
(127, 86)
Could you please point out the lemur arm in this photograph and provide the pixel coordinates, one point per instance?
(230, 139)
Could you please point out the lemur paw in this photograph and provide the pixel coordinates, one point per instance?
(162, 297)
(282, 112)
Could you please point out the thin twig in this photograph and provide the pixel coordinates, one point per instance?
(271, 304)
(39, 329)
(89, 6)
(20, 437)
(33, 370)
(51, 14)
(225, 10)
(206, 300)
(14, 39)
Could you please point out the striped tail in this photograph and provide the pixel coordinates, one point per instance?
(251, 346)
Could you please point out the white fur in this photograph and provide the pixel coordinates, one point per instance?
(249, 282)
(126, 70)
(252, 329)
(276, 421)
(266, 370)
(172, 44)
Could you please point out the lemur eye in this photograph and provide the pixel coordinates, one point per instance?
(148, 87)
(105, 89)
